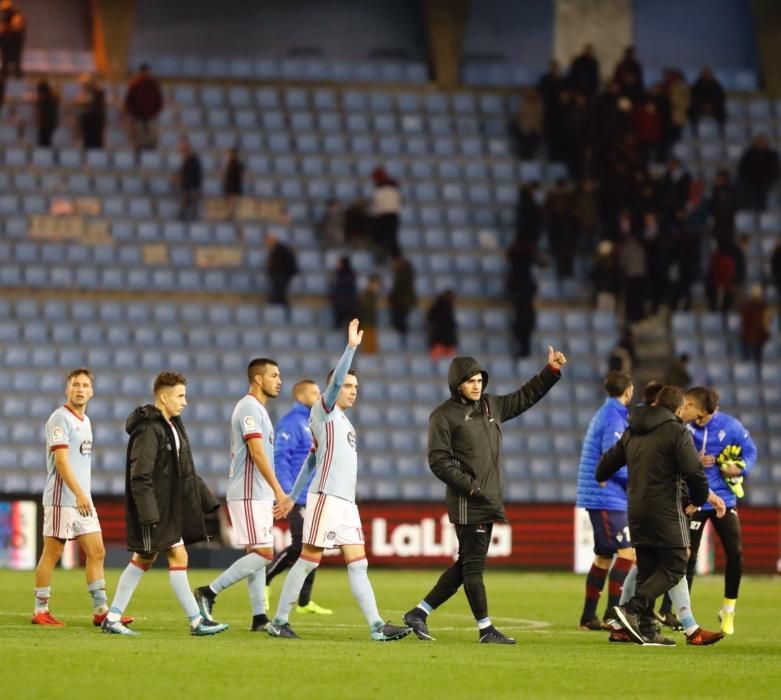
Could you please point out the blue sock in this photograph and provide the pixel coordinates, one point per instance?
(630, 582)
(97, 589)
(361, 587)
(181, 586)
(679, 595)
(425, 607)
(128, 581)
(292, 587)
(240, 569)
(256, 583)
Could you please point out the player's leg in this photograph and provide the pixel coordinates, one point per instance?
(695, 635)
(177, 576)
(288, 556)
(305, 602)
(625, 555)
(52, 551)
(126, 586)
(253, 521)
(604, 550)
(729, 532)
(306, 563)
(697, 525)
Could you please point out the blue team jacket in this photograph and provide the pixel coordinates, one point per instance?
(723, 430)
(292, 442)
(606, 427)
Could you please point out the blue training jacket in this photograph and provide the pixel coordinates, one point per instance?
(292, 443)
(604, 431)
(723, 430)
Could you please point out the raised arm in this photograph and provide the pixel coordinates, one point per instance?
(354, 337)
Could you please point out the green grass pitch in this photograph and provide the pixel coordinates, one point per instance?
(336, 659)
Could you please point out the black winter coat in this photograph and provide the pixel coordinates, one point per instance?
(165, 499)
(465, 441)
(659, 453)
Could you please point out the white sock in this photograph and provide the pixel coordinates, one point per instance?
(97, 590)
(240, 569)
(42, 596)
(485, 623)
(128, 581)
(256, 583)
(628, 591)
(361, 587)
(181, 586)
(292, 587)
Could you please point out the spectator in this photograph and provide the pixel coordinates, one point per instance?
(775, 268)
(721, 279)
(386, 207)
(282, 266)
(623, 356)
(91, 103)
(629, 75)
(331, 230)
(723, 206)
(357, 223)
(368, 309)
(190, 181)
(47, 112)
(402, 297)
(344, 293)
(758, 172)
(562, 229)
(529, 123)
(442, 326)
(678, 372)
(233, 176)
(674, 189)
(550, 87)
(707, 100)
(584, 73)
(605, 277)
(648, 127)
(143, 104)
(755, 319)
(528, 214)
(12, 34)
(679, 97)
(633, 264)
(521, 289)
(587, 214)
(685, 263)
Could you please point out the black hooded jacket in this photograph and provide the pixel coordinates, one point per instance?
(165, 499)
(465, 440)
(659, 453)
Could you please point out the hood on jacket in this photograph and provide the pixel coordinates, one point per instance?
(646, 419)
(461, 368)
(141, 414)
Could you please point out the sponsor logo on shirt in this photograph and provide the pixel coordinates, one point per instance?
(58, 433)
(351, 439)
(722, 435)
(86, 448)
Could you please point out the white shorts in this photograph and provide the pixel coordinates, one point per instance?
(331, 522)
(65, 522)
(252, 522)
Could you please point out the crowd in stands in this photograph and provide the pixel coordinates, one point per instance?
(651, 227)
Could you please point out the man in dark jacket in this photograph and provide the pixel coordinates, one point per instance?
(464, 443)
(660, 456)
(143, 104)
(165, 502)
(282, 266)
(758, 171)
(189, 181)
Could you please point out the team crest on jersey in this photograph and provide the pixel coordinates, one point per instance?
(58, 433)
(86, 448)
(249, 422)
(722, 435)
(351, 439)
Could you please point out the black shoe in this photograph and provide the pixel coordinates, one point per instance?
(259, 623)
(654, 639)
(386, 632)
(668, 619)
(593, 624)
(418, 625)
(491, 635)
(629, 621)
(281, 630)
(205, 598)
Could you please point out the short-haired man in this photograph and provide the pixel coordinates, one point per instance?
(68, 512)
(332, 518)
(291, 448)
(165, 502)
(659, 455)
(728, 453)
(464, 447)
(252, 490)
(606, 507)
